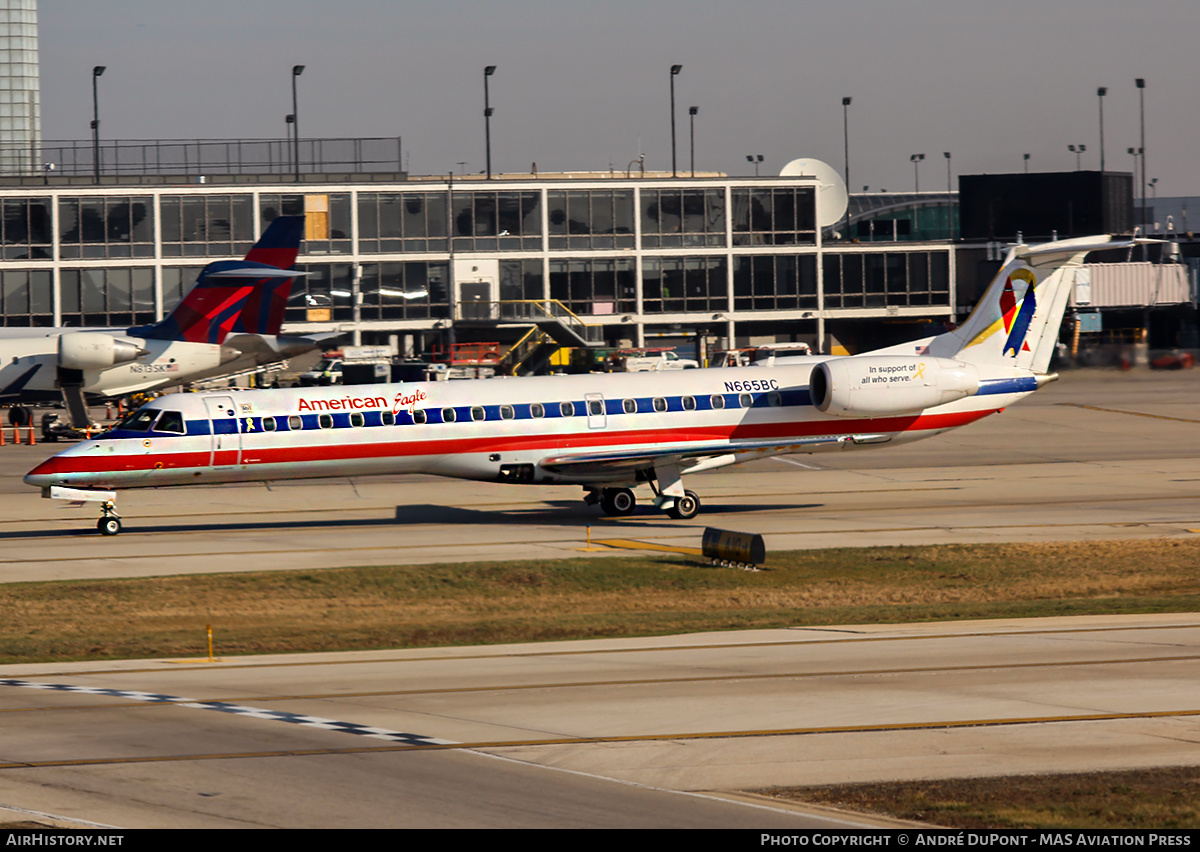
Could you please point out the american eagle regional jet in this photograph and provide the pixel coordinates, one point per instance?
(608, 433)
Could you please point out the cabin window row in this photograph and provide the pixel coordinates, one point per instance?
(536, 411)
(171, 421)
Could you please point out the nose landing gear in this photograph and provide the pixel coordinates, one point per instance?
(110, 521)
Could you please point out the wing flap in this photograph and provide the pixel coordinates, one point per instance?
(644, 458)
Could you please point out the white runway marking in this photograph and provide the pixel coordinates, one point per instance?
(241, 710)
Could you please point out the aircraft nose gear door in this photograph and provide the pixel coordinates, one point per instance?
(226, 438)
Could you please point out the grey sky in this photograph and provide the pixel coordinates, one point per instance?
(580, 85)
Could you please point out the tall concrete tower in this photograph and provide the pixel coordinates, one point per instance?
(20, 101)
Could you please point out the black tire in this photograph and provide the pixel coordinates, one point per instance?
(686, 507)
(109, 526)
(19, 415)
(618, 501)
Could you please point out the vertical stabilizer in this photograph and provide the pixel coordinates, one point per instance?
(1016, 322)
(237, 296)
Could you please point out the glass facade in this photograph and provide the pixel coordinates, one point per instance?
(622, 253)
(206, 225)
(590, 219)
(106, 226)
(673, 218)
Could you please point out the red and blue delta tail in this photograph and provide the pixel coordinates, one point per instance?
(237, 296)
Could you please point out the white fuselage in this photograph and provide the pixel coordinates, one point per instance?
(599, 430)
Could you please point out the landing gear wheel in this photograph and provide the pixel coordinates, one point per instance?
(19, 415)
(617, 501)
(110, 521)
(686, 507)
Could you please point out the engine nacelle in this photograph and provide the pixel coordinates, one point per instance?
(89, 350)
(884, 385)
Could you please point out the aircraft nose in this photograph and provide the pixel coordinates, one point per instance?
(67, 467)
(48, 472)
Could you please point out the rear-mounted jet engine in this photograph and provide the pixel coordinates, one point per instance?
(881, 386)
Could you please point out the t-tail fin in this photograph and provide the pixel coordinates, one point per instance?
(237, 296)
(1016, 322)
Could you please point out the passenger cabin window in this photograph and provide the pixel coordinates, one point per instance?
(171, 421)
(357, 419)
(506, 412)
(477, 412)
(419, 416)
(660, 404)
(689, 403)
(389, 419)
(325, 421)
(717, 401)
(745, 400)
(595, 406)
(449, 415)
(774, 399)
(630, 406)
(269, 424)
(295, 424)
(537, 410)
(567, 409)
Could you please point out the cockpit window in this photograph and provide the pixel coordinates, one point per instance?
(142, 420)
(171, 421)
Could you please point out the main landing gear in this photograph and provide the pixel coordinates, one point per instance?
(669, 495)
(616, 502)
(619, 502)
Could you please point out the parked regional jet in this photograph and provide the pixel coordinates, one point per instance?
(228, 321)
(606, 432)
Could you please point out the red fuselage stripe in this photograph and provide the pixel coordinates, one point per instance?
(153, 459)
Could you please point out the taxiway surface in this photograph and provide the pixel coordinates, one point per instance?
(650, 732)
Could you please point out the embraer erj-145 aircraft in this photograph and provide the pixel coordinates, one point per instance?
(228, 321)
(606, 432)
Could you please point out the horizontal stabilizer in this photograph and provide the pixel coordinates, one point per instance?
(255, 271)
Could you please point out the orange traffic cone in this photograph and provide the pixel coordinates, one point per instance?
(32, 440)
(1, 437)
(16, 434)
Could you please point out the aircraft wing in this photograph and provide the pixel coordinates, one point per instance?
(644, 458)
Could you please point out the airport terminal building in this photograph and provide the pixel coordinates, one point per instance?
(641, 261)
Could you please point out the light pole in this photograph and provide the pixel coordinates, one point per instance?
(289, 120)
(846, 139)
(1100, 93)
(846, 156)
(675, 69)
(692, 120)
(488, 71)
(1077, 150)
(1135, 153)
(297, 70)
(750, 158)
(949, 185)
(1141, 86)
(1026, 158)
(96, 72)
(916, 159)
